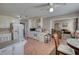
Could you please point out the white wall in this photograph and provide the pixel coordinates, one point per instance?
(5, 21)
(33, 23)
(70, 24)
(46, 24)
(69, 18)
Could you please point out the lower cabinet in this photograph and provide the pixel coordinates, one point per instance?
(6, 51)
(18, 48)
(15, 49)
(38, 36)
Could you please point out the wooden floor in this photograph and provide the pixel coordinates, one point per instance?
(34, 47)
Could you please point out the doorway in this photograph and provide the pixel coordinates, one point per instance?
(56, 26)
(23, 29)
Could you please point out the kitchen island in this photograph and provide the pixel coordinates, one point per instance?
(40, 36)
(12, 47)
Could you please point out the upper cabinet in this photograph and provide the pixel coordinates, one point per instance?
(35, 22)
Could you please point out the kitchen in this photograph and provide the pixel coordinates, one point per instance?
(35, 37)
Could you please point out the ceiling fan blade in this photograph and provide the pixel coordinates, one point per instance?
(59, 3)
(43, 5)
(46, 6)
(55, 5)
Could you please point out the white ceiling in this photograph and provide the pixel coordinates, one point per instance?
(30, 9)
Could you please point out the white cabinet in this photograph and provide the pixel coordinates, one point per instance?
(38, 35)
(15, 49)
(18, 48)
(6, 51)
(5, 36)
(41, 37)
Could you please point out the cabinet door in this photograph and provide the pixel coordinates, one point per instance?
(6, 51)
(19, 48)
(15, 49)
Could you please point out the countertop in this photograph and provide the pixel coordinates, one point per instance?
(4, 44)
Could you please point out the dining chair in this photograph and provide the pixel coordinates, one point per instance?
(56, 47)
(56, 37)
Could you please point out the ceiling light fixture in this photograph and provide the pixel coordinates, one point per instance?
(51, 9)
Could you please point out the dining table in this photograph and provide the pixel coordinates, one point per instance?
(65, 49)
(74, 43)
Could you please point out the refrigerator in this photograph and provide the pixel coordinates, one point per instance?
(18, 31)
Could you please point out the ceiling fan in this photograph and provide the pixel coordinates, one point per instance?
(20, 17)
(49, 6)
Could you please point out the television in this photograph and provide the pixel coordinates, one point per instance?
(32, 29)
